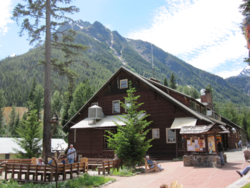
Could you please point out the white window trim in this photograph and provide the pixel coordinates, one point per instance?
(113, 106)
(121, 84)
(167, 137)
(94, 103)
(153, 133)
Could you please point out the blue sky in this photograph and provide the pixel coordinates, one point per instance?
(204, 33)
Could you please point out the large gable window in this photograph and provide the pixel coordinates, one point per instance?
(170, 135)
(123, 83)
(116, 107)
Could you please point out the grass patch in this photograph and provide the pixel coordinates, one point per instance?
(85, 181)
(246, 186)
(125, 171)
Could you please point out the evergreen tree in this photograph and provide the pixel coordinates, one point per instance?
(38, 10)
(130, 142)
(81, 95)
(165, 82)
(30, 133)
(244, 123)
(2, 105)
(56, 103)
(32, 90)
(66, 105)
(38, 99)
(173, 82)
(12, 122)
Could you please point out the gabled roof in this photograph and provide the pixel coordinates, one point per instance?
(159, 91)
(8, 144)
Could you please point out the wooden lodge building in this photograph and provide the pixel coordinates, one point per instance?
(168, 109)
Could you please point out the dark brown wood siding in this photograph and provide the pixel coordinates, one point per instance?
(89, 142)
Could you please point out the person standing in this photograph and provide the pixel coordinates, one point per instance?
(72, 156)
(247, 143)
(220, 151)
(240, 145)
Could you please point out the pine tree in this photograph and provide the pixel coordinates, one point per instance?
(173, 82)
(2, 105)
(165, 82)
(30, 133)
(81, 95)
(12, 122)
(37, 10)
(130, 142)
(32, 90)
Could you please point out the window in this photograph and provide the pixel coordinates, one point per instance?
(94, 103)
(116, 107)
(123, 83)
(170, 135)
(192, 105)
(203, 110)
(105, 142)
(156, 133)
(128, 105)
(197, 108)
(7, 156)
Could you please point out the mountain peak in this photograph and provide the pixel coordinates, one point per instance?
(245, 71)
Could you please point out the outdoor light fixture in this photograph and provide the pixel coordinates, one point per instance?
(233, 130)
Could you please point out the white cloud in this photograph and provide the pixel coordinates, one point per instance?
(5, 14)
(204, 33)
(227, 74)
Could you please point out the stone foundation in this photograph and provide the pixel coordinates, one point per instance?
(203, 160)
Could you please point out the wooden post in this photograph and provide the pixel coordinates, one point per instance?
(176, 144)
(216, 145)
(206, 143)
(28, 173)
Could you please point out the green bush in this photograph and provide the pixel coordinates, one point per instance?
(126, 171)
(84, 181)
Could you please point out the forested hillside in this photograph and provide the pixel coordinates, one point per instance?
(108, 51)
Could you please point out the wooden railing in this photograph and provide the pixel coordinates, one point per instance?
(45, 172)
(21, 161)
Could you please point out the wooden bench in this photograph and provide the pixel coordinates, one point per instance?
(107, 165)
(148, 167)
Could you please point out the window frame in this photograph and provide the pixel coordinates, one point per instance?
(167, 137)
(156, 129)
(121, 84)
(113, 107)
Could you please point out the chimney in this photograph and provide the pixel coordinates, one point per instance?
(206, 98)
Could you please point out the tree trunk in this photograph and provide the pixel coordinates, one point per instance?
(47, 105)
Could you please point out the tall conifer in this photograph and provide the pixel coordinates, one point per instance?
(33, 12)
(165, 82)
(130, 142)
(173, 82)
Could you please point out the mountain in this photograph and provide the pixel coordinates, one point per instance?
(241, 81)
(245, 72)
(108, 51)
